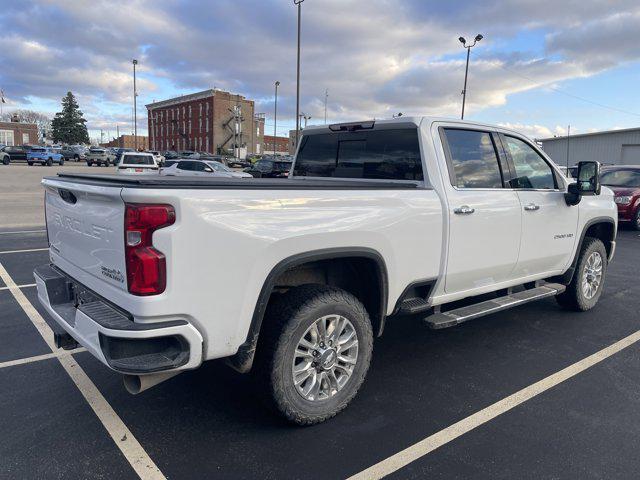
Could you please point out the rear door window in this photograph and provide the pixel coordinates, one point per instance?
(376, 154)
(473, 160)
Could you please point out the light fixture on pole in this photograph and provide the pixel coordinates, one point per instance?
(463, 41)
(135, 107)
(298, 3)
(275, 118)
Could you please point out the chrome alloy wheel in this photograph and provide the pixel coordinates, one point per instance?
(592, 275)
(325, 358)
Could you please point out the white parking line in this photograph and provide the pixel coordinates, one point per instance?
(119, 432)
(38, 358)
(22, 231)
(19, 286)
(431, 443)
(24, 251)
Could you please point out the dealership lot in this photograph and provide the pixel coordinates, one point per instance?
(209, 423)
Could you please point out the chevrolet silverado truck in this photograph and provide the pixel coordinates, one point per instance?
(411, 218)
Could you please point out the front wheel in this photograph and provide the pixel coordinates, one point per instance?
(76, 158)
(89, 164)
(587, 284)
(30, 164)
(6, 161)
(61, 162)
(635, 224)
(107, 164)
(314, 352)
(49, 162)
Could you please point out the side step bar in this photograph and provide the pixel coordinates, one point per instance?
(464, 314)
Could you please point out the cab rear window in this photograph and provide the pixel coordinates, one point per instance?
(138, 160)
(375, 154)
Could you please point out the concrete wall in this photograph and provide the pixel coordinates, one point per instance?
(605, 148)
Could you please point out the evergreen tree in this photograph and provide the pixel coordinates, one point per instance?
(68, 126)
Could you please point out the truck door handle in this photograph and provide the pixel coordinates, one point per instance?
(531, 207)
(464, 210)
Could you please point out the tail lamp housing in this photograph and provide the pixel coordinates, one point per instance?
(146, 266)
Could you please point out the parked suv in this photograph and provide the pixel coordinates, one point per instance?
(44, 156)
(269, 168)
(74, 152)
(625, 183)
(100, 156)
(16, 153)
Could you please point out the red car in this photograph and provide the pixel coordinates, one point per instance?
(625, 183)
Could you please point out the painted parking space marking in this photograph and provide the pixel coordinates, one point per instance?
(39, 358)
(25, 251)
(135, 454)
(19, 286)
(452, 432)
(19, 232)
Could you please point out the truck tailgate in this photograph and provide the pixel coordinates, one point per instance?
(85, 225)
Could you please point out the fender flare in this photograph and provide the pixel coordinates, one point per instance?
(242, 361)
(567, 276)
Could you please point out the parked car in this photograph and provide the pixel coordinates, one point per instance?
(158, 157)
(76, 153)
(44, 156)
(5, 159)
(269, 168)
(625, 183)
(17, 153)
(120, 151)
(206, 168)
(133, 163)
(170, 154)
(100, 157)
(414, 215)
(237, 162)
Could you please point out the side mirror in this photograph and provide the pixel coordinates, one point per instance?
(588, 178)
(588, 183)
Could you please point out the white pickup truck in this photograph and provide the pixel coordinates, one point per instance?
(293, 278)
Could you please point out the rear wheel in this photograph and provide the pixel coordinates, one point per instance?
(107, 164)
(30, 164)
(314, 352)
(61, 162)
(43, 163)
(89, 164)
(49, 162)
(76, 158)
(587, 284)
(6, 160)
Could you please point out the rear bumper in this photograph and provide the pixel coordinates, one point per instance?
(111, 334)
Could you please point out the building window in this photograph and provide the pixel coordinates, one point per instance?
(6, 137)
(25, 138)
(207, 130)
(207, 145)
(200, 108)
(189, 110)
(189, 125)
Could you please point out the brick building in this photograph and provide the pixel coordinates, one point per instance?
(127, 141)
(17, 133)
(281, 145)
(292, 141)
(213, 121)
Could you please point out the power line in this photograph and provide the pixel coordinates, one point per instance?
(563, 92)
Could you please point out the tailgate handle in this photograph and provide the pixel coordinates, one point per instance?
(67, 196)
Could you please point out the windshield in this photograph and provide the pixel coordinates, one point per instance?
(138, 160)
(218, 167)
(621, 178)
(37, 149)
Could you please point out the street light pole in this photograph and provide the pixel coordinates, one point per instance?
(326, 96)
(275, 119)
(298, 3)
(466, 70)
(135, 108)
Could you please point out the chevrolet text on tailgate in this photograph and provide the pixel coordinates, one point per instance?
(377, 220)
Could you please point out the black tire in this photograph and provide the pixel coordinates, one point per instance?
(61, 162)
(286, 321)
(43, 163)
(574, 297)
(107, 164)
(6, 160)
(635, 224)
(89, 164)
(49, 162)
(76, 158)
(30, 164)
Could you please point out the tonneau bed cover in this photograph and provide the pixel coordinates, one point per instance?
(158, 181)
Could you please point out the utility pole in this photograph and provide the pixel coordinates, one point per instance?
(135, 108)
(326, 96)
(298, 3)
(466, 71)
(275, 119)
(118, 133)
(568, 133)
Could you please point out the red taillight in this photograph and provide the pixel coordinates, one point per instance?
(146, 266)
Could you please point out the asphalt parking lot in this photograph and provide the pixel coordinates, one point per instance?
(423, 384)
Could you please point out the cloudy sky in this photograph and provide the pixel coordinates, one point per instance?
(542, 64)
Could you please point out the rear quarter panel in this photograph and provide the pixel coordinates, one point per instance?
(225, 243)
